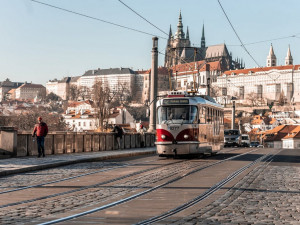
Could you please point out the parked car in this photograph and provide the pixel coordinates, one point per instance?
(232, 138)
(254, 144)
(245, 142)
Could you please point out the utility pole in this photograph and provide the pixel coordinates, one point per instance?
(153, 88)
(233, 114)
(208, 86)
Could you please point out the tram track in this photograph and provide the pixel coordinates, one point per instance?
(139, 194)
(72, 177)
(266, 159)
(85, 187)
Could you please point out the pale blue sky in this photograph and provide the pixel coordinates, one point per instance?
(38, 43)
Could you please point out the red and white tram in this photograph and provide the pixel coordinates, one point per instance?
(189, 125)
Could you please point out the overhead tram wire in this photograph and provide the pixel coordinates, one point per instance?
(94, 18)
(242, 44)
(142, 17)
(274, 39)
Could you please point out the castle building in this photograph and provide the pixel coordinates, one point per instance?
(258, 86)
(179, 50)
(29, 91)
(6, 86)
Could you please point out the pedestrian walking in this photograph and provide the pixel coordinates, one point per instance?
(142, 133)
(118, 134)
(40, 131)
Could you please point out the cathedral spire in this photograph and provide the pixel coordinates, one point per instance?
(170, 35)
(271, 58)
(187, 33)
(170, 32)
(203, 38)
(179, 34)
(288, 59)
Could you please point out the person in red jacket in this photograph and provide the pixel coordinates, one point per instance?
(41, 131)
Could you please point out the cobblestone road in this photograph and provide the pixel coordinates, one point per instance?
(32, 211)
(35, 177)
(268, 195)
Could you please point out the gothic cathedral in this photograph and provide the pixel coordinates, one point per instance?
(180, 51)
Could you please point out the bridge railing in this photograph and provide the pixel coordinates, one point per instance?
(23, 144)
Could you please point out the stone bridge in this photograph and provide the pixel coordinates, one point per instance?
(14, 143)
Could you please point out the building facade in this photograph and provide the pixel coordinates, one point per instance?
(80, 116)
(114, 79)
(196, 76)
(163, 83)
(259, 86)
(6, 86)
(61, 87)
(29, 91)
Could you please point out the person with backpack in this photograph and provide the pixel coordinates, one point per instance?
(118, 134)
(40, 131)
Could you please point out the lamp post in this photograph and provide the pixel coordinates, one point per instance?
(153, 88)
(233, 112)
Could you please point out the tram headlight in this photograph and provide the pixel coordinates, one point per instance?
(163, 136)
(186, 136)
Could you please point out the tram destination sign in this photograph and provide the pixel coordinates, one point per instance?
(175, 101)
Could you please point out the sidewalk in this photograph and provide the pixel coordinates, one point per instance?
(30, 163)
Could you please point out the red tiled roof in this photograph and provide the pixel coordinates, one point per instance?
(254, 131)
(161, 71)
(190, 67)
(30, 85)
(295, 133)
(74, 104)
(273, 120)
(279, 132)
(264, 69)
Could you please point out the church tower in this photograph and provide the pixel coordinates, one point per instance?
(288, 59)
(179, 33)
(203, 38)
(271, 58)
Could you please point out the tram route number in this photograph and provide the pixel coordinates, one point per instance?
(174, 128)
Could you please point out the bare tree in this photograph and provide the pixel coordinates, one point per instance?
(84, 92)
(27, 120)
(123, 94)
(214, 91)
(73, 92)
(254, 99)
(281, 99)
(102, 98)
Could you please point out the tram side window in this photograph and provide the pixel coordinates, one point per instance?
(202, 114)
(193, 114)
(209, 115)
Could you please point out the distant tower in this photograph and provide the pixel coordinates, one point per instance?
(203, 38)
(288, 59)
(179, 33)
(187, 33)
(168, 57)
(271, 58)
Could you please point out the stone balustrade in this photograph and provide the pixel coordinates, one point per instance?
(23, 144)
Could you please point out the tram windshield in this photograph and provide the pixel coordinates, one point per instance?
(231, 132)
(177, 114)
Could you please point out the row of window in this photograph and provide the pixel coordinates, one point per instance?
(84, 124)
(212, 116)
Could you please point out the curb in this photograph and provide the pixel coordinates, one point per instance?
(70, 162)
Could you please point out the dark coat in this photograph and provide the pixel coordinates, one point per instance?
(119, 132)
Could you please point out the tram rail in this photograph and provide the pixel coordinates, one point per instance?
(172, 180)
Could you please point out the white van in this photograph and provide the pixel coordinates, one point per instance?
(245, 140)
